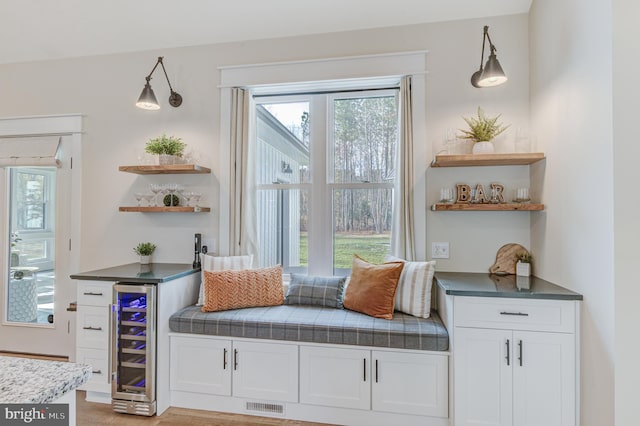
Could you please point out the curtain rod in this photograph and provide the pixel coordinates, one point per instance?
(325, 92)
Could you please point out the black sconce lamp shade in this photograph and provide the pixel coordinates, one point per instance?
(148, 100)
(491, 74)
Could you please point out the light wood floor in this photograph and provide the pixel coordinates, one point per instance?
(94, 414)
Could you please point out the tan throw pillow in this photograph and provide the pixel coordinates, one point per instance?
(413, 296)
(372, 288)
(242, 289)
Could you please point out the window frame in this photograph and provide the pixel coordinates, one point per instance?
(322, 187)
(262, 77)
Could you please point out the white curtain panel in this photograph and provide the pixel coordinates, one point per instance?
(402, 232)
(242, 215)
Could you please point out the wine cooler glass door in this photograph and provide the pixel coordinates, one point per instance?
(133, 328)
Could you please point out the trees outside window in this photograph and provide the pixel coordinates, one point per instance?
(325, 167)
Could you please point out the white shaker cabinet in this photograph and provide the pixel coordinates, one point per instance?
(508, 373)
(336, 377)
(92, 337)
(267, 371)
(410, 383)
(379, 380)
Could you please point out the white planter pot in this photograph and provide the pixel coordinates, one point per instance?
(483, 148)
(523, 269)
(165, 159)
(145, 260)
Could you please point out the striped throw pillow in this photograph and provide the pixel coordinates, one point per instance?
(221, 263)
(246, 288)
(413, 296)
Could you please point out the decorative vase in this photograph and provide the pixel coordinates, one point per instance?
(165, 159)
(145, 260)
(523, 269)
(483, 147)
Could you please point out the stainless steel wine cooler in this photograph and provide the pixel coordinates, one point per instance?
(133, 349)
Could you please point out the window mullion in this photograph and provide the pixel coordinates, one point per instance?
(320, 218)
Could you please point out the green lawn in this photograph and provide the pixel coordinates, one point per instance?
(372, 248)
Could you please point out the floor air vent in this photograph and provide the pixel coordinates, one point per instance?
(265, 408)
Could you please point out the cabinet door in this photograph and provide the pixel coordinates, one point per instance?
(93, 327)
(410, 383)
(98, 359)
(544, 376)
(189, 355)
(483, 362)
(335, 377)
(265, 371)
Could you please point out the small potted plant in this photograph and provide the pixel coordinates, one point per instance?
(145, 250)
(168, 148)
(523, 263)
(482, 130)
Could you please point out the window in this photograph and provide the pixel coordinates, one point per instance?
(32, 243)
(325, 172)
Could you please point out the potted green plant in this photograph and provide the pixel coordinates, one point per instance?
(482, 130)
(145, 250)
(168, 148)
(523, 263)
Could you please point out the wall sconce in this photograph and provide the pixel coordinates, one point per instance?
(492, 74)
(147, 99)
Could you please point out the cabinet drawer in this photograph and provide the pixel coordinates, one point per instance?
(93, 327)
(98, 359)
(94, 293)
(515, 314)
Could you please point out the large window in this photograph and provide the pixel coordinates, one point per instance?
(325, 168)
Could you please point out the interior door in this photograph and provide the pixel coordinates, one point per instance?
(35, 257)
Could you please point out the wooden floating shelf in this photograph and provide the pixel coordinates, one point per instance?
(441, 207)
(173, 169)
(178, 209)
(515, 159)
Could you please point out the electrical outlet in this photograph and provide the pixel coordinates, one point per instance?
(439, 250)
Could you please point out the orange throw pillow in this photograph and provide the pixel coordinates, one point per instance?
(372, 288)
(229, 289)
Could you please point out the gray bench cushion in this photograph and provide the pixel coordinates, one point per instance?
(316, 324)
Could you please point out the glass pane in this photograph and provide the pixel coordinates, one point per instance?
(364, 139)
(362, 226)
(32, 245)
(282, 228)
(282, 151)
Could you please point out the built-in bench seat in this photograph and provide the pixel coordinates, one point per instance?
(304, 323)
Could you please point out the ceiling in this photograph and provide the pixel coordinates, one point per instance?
(34, 30)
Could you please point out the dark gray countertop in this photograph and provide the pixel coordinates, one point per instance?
(491, 285)
(139, 274)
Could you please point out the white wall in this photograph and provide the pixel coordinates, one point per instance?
(626, 175)
(104, 88)
(571, 112)
(475, 237)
